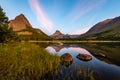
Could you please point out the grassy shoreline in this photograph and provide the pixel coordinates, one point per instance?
(25, 61)
(90, 41)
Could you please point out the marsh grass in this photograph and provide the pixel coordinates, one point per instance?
(85, 74)
(25, 61)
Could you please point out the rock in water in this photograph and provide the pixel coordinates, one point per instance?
(66, 57)
(100, 55)
(84, 57)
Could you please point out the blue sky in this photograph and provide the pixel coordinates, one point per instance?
(68, 16)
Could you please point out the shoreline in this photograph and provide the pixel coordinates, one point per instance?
(57, 41)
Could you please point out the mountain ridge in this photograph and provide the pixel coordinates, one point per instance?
(22, 27)
(108, 29)
(97, 26)
(58, 35)
(104, 30)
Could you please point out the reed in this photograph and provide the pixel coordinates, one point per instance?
(25, 61)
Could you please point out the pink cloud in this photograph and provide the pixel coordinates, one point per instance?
(80, 50)
(42, 18)
(80, 31)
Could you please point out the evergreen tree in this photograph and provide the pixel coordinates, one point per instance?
(3, 18)
(6, 33)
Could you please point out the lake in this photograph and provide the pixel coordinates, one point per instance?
(104, 65)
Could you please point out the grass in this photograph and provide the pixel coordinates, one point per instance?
(25, 61)
(29, 61)
(34, 36)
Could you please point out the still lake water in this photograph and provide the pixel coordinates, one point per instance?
(106, 67)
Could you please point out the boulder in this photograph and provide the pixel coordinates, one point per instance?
(66, 57)
(84, 57)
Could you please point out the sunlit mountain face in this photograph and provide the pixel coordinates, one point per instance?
(68, 16)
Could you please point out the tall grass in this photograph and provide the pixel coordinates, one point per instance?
(25, 61)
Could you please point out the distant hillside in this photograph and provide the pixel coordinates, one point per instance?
(98, 26)
(106, 30)
(59, 35)
(23, 28)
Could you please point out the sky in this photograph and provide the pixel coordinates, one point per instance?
(68, 16)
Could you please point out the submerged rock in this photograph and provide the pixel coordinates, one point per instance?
(66, 63)
(66, 57)
(84, 57)
(101, 55)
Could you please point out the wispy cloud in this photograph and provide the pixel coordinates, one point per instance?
(84, 6)
(42, 18)
(80, 31)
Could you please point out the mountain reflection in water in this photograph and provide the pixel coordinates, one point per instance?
(105, 63)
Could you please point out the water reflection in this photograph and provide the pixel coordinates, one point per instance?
(84, 57)
(103, 66)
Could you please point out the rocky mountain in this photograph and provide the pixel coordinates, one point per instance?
(59, 35)
(108, 29)
(19, 23)
(23, 28)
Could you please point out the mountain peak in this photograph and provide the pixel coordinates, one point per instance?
(57, 32)
(22, 27)
(20, 16)
(19, 23)
(57, 35)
